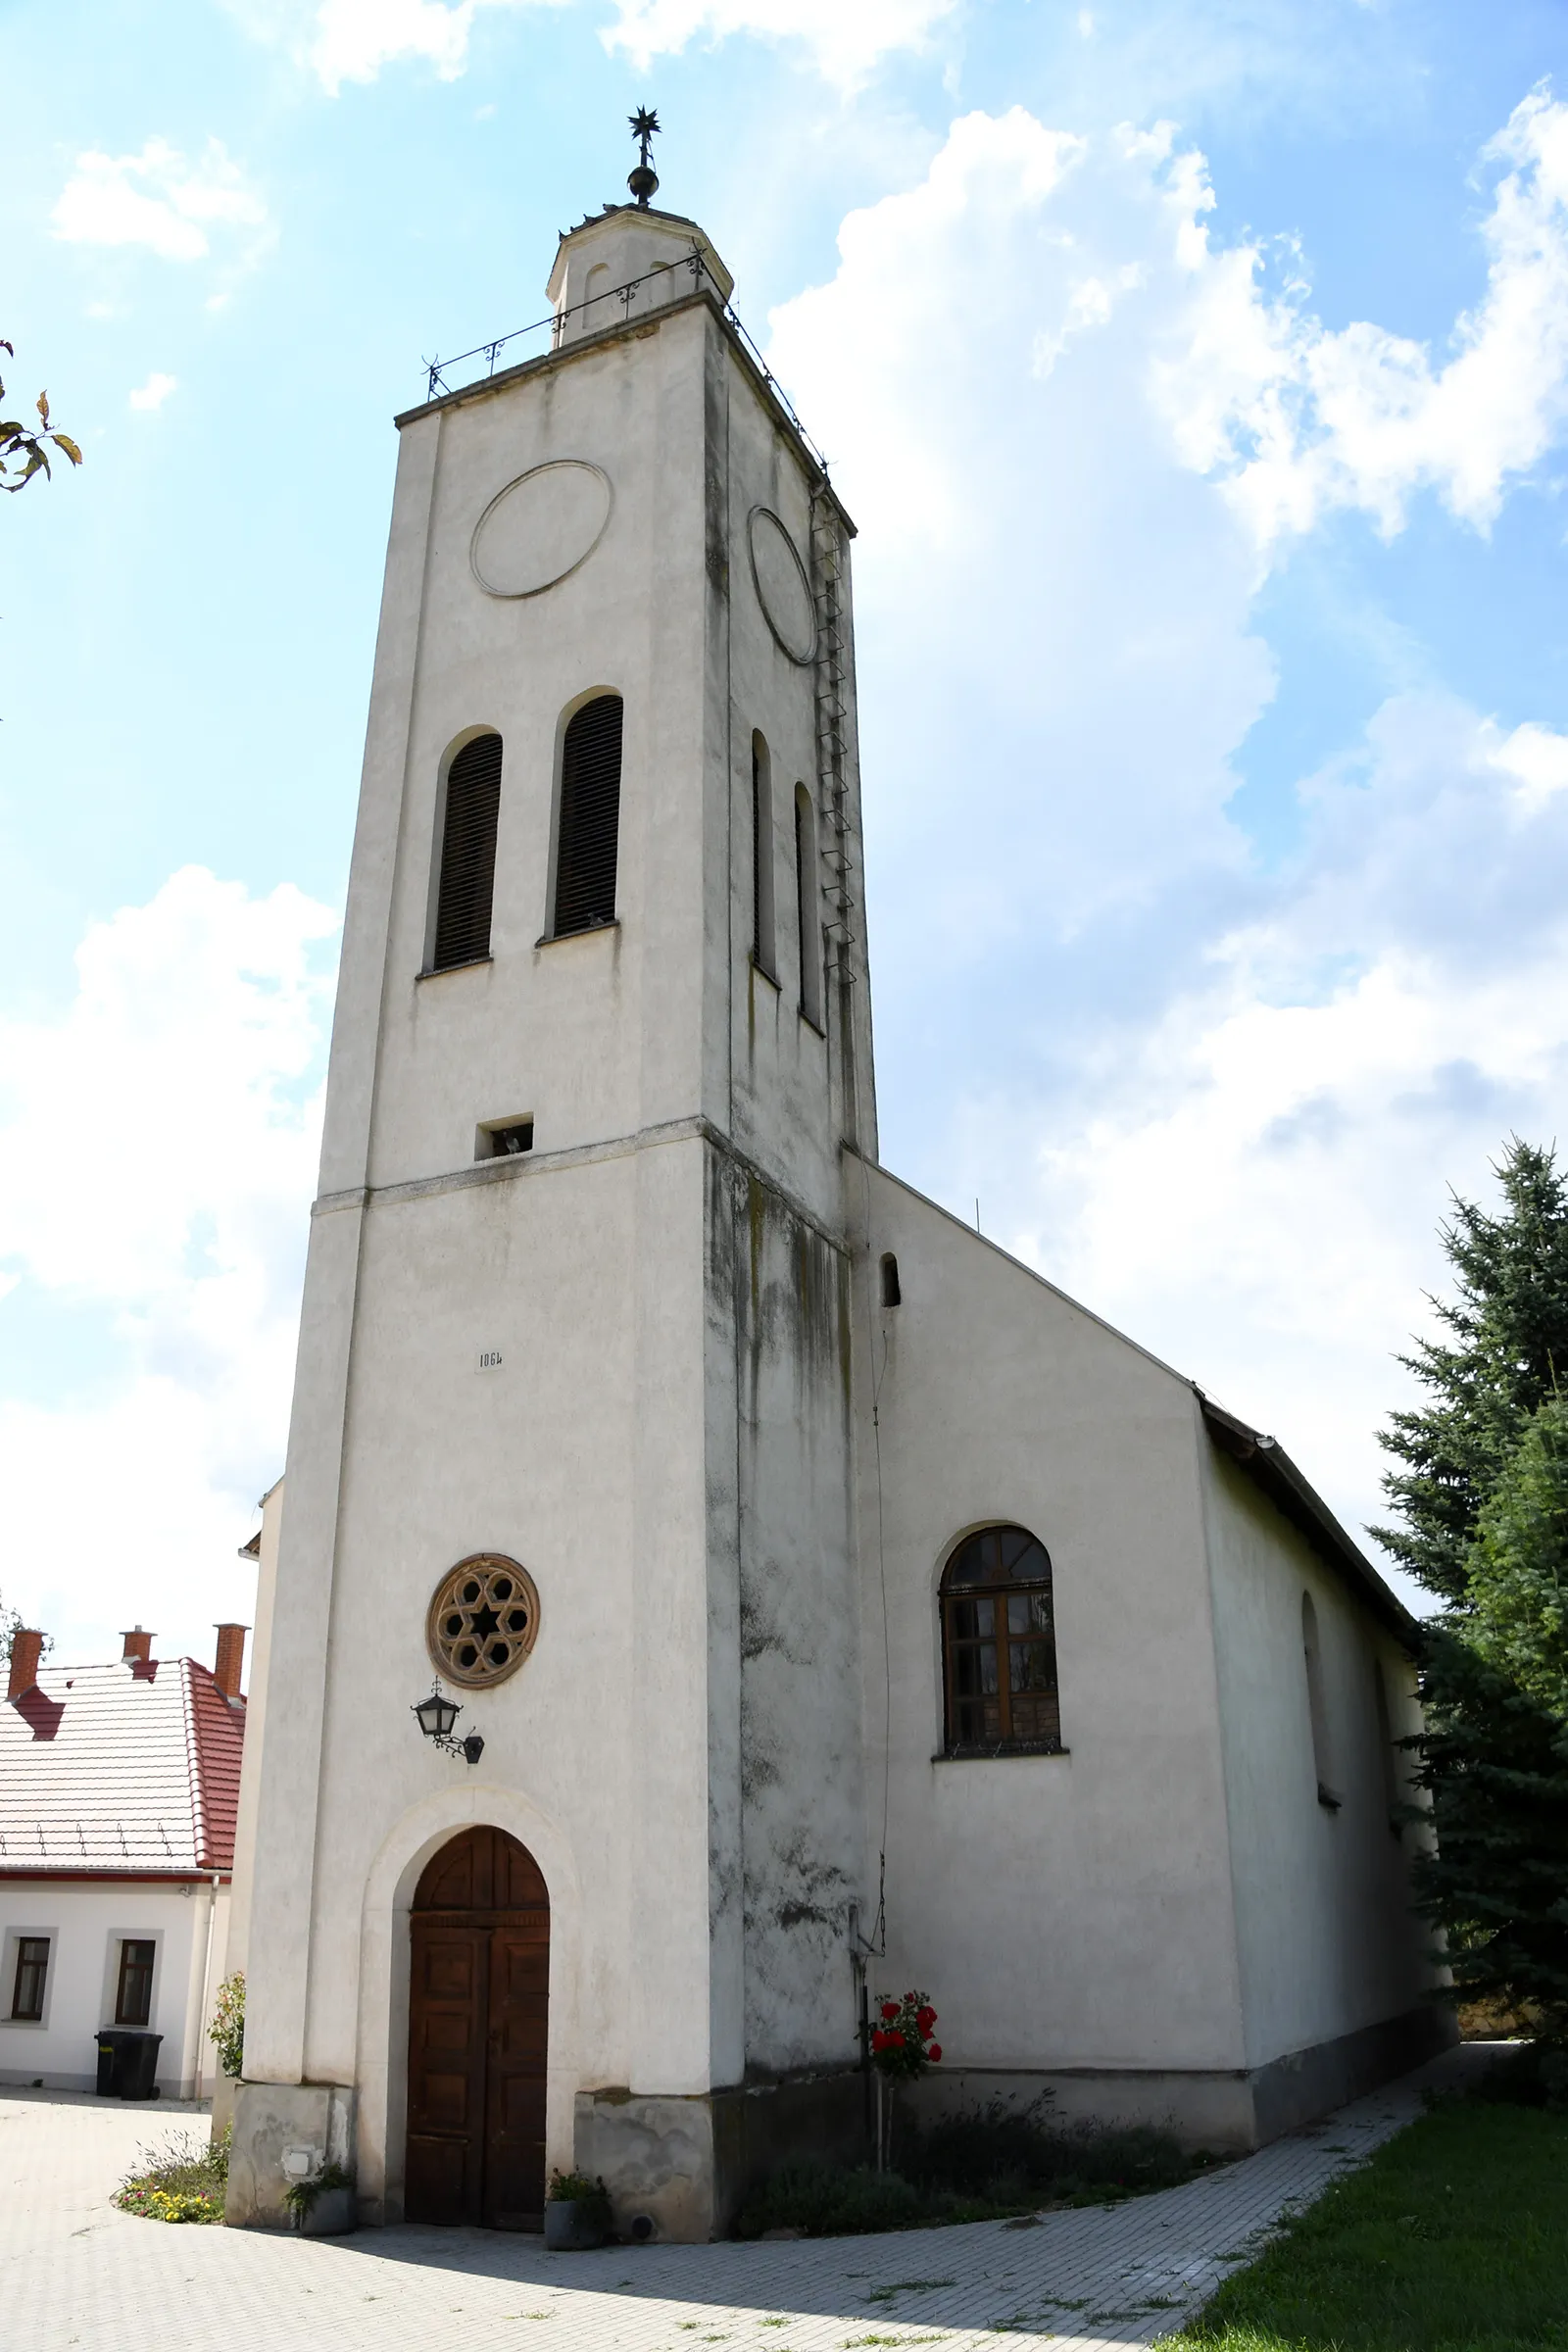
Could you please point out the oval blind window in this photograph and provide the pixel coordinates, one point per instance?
(590, 818)
(468, 854)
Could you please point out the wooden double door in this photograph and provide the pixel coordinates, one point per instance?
(478, 2018)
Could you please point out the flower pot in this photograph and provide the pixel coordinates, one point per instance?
(574, 2225)
(331, 2215)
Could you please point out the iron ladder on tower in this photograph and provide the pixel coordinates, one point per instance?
(827, 580)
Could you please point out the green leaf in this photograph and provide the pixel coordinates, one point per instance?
(44, 405)
(65, 442)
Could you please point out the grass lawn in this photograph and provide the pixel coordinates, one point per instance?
(1454, 2238)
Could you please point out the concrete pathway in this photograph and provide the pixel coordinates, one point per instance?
(75, 2273)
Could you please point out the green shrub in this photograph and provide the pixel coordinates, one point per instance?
(1003, 2158)
(226, 2033)
(829, 2200)
(184, 2180)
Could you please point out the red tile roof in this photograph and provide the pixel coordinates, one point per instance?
(127, 1767)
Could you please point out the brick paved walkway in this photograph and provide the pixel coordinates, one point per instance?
(75, 2273)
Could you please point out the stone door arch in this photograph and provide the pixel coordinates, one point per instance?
(479, 2017)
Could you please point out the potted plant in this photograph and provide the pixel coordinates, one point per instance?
(323, 2205)
(902, 2049)
(577, 2214)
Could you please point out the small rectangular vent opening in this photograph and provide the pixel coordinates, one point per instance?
(502, 1139)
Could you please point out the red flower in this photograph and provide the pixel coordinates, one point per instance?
(926, 2017)
(890, 2009)
(934, 2053)
(881, 2041)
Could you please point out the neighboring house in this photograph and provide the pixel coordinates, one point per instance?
(838, 1607)
(118, 1786)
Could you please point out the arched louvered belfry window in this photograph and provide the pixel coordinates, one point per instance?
(468, 854)
(998, 1647)
(589, 824)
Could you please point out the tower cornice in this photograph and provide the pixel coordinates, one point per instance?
(630, 331)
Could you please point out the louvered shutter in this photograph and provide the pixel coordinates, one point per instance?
(468, 854)
(590, 818)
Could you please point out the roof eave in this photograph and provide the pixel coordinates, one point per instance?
(1271, 1469)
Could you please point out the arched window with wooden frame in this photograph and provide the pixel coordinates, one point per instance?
(465, 883)
(998, 1647)
(807, 929)
(588, 819)
(764, 953)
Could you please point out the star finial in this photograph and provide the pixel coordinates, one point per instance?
(643, 180)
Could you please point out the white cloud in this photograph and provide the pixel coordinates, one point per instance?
(1300, 419)
(160, 1145)
(351, 40)
(1222, 1104)
(155, 391)
(160, 199)
(845, 43)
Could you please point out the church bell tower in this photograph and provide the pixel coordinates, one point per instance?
(572, 1428)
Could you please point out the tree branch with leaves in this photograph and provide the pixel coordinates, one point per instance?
(25, 447)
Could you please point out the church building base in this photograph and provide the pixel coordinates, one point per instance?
(284, 2132)
(1206, 2108)
(686, 2166)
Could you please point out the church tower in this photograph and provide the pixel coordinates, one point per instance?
(572, 1419)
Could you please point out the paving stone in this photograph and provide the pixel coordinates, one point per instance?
(75, 2273)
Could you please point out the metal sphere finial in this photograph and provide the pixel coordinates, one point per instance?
(643, 180)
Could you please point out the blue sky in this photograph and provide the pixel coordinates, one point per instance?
(1198, 377)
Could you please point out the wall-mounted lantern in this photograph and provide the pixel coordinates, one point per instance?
(436, 1716)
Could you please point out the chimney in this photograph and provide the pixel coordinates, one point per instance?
(230, 1658)
(26, 1648)
(138, 1647)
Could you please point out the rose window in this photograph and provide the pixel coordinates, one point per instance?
(482, 1621)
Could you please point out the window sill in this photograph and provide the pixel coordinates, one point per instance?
(762, 973)
(1327, 1798)
(998, 1755)
(557, 938)
(439, 971)
(815, 1027)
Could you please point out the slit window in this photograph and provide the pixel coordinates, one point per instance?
(589, 828)
(134, 1997)
(808, 940)
(998, 1647)
(892, 1295)
(1316, 1703)
(762, 948)
(32, 1973)
(505, 1140)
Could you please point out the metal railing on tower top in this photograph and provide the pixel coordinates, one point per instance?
(439, 372)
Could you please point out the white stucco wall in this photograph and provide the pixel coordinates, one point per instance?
(1327, 1941)
(86, 1925)
(672, 1361)
(1062, 1911)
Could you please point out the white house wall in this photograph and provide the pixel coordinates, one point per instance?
(86, 1925)
(1327, 1940)
(1063, 1912)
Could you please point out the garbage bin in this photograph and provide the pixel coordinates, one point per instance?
(128, 2063)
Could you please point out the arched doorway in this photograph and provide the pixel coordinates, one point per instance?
(478, 1996)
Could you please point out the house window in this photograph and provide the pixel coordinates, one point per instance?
(808, 934)
(762, 950)
(998, 1647)
(588, 831)
(134, 1997)
(468, 855)
(891, 1294)
(1316, 1704)
(33, 1969)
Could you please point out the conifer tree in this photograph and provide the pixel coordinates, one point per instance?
(1494, 1756)
(1505, 1340)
